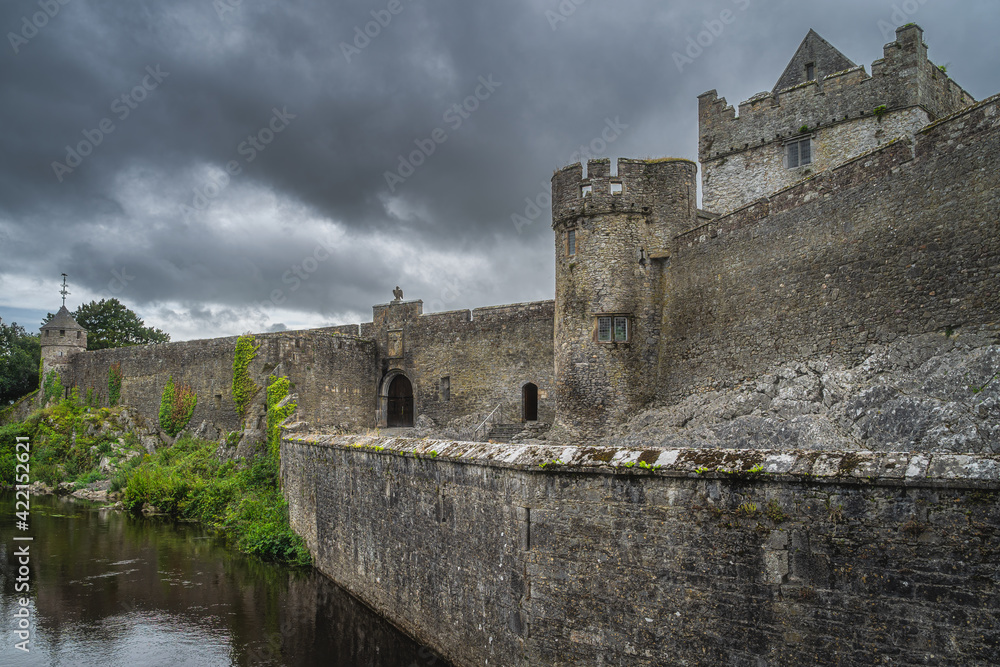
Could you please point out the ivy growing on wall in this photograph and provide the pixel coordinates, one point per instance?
(244, 388)
(114, 384)
(277, 390)
(176, 406)
(52, 387)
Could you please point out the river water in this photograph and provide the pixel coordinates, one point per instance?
(108, 590)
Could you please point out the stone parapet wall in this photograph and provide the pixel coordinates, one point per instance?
(523, 555)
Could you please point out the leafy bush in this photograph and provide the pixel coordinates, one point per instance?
(240, 501)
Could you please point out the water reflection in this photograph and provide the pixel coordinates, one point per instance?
(110, 590)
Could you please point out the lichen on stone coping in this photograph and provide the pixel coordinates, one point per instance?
(894, 468)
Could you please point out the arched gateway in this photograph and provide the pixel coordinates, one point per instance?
(396, 398)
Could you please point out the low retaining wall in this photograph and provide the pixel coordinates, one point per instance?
(541, 555)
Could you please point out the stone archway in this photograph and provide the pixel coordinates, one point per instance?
(529, 402)
(396, 400)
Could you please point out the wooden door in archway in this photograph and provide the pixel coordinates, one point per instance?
(399, 406)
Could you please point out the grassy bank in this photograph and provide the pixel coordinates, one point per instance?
(242, 501)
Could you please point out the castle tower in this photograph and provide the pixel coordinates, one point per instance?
(612, 235)
(823, 111)
(61, 338)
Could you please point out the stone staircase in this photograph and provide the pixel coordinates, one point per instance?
(501, 432)
(504, 432)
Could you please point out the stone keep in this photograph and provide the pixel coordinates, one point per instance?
(611, 233)
(839, 112)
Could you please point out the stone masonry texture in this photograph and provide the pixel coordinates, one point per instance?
(542, 555)
(901, 240)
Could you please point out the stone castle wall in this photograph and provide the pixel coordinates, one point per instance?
(525, 555)
(841, 106)
(488, 355)
(332, 375)
(900, 240)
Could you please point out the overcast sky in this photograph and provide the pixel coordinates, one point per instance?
(221, 167)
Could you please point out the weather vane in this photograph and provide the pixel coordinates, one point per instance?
(64, 291)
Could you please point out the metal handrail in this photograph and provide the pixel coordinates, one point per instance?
(495, 410)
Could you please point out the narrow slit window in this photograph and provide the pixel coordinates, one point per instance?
(810, 71)
(446, 388)
(571, 242)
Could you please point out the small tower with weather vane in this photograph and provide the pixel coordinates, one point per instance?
(61, 338)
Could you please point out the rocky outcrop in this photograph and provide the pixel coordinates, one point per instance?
(926, 393)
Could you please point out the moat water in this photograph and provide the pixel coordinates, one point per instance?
(108, 589)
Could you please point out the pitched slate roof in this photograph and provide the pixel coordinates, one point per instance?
(63, 320)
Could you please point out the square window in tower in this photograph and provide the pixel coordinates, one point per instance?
(798, 153)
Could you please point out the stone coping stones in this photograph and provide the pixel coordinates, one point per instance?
(857, 467)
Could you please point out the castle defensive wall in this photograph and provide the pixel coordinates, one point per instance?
(507, 554)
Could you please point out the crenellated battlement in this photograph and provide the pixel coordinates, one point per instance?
(660, 189)
(901, 79)
(831, 116)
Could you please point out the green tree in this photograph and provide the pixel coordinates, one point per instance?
(20, 357)
(109, 323)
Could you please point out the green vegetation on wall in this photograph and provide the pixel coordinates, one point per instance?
(277, 390)
(114, 384)
(52, 388)
(244, 388)
(176, 406)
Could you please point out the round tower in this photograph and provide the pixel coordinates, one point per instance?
(612, 241)
(61, 338)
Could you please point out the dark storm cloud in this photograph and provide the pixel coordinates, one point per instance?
(194, 87)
